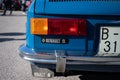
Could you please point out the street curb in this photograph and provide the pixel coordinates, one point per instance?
(15, 13)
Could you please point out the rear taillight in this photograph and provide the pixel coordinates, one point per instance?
(45, 26)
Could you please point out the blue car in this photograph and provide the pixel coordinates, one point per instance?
(68, 35)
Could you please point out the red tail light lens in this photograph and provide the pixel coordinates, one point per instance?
(67, 26)
(82, 27)
(74, 27)
(63, 26)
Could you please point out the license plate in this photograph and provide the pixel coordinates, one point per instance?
(109, 41)
(54, 41)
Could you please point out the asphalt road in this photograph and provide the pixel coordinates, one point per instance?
(12, 67)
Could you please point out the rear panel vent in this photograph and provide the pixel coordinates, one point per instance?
(81, 0)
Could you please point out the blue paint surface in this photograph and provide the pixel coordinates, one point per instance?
(96, 12)
(82, 7)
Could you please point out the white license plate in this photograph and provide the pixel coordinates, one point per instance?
(109, 41)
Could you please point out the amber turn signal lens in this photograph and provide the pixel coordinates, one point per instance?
(39, 26)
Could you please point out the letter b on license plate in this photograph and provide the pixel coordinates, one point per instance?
(109, 41)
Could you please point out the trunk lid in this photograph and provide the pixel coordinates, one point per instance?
(78, 7)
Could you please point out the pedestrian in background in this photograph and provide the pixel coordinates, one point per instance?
(7, 6)
(23, 5)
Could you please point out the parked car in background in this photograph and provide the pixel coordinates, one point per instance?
(65, 35)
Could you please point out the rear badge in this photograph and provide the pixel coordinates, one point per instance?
(54, 41)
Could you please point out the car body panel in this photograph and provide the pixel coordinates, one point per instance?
(78, 7)
(80, 50)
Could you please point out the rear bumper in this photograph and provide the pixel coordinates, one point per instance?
(61, 60)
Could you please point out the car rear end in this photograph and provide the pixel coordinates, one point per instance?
(73, 35)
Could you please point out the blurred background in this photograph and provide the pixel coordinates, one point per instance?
(17, 4)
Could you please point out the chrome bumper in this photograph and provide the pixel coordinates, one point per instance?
(61, 60)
